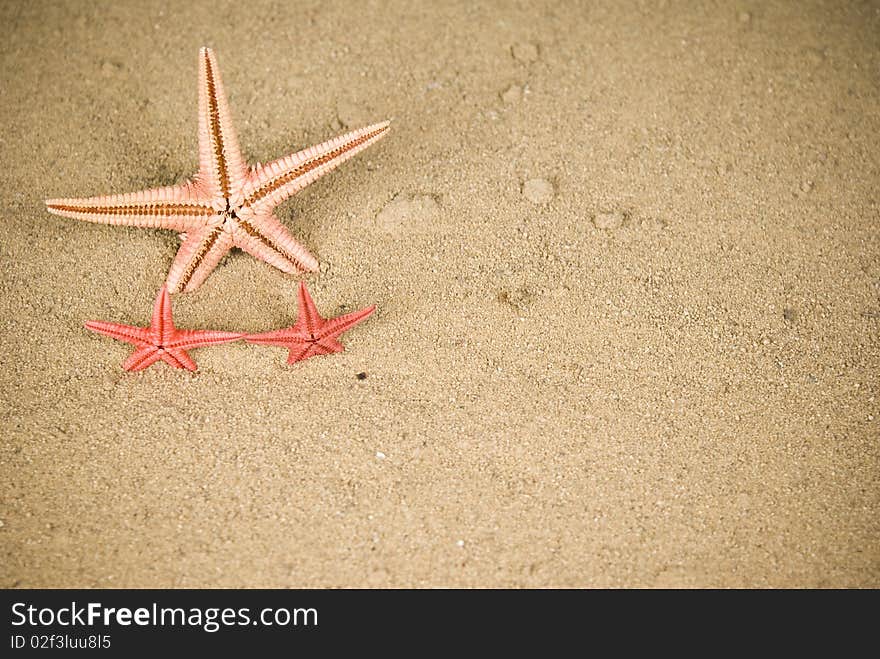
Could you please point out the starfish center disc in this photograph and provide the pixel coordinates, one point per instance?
(230, 217)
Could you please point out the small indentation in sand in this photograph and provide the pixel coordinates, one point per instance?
(538, 190)
(109, 68)
(518, 298)
(408, 212)
(609, 220)
(512, 95)
(524, 52)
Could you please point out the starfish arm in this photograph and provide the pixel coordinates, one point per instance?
(197, 257)
(178, 358)
(268, 185)
(330, 344)
(264, 237)
(188, 339)
(222, 168)
(177, 207)
(162, 323)
(141, 358)
(139, 336)
(282, 337)
(307, 319)
(336, 326)
(313, 349)
(300, 352)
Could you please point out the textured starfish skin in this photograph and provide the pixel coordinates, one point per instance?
(161, 340)
(227, 204)
(311, 334)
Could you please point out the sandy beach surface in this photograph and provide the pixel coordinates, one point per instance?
(626, 262)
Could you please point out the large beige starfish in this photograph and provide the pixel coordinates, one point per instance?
(227, 204)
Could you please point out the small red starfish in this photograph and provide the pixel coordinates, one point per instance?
(161, 340)
(311, 335)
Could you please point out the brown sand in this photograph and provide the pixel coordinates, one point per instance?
(626, 264)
